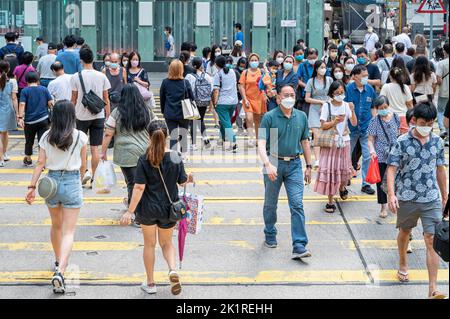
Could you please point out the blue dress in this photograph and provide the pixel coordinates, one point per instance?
(7, 112)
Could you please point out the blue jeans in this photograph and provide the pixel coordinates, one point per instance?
(442, 103)
(364, 141)
(225, 113)
(291, 174)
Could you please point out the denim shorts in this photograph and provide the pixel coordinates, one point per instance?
(69, 193)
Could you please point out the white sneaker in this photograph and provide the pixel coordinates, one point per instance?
(5, 157)
(87, 177)
(316, 164)
(193, 147)
(151, 290)
(409, 250)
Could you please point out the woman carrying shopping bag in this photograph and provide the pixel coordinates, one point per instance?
(155, 198)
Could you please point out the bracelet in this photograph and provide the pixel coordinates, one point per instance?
(31, 187)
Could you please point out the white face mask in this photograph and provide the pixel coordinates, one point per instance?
(312, 62)
(424, 130)
(349, 67)
(322, 71)
(348, 51)
(339, 98)
(288, 103)
(217, 53)
(339, 75)
(280, 60)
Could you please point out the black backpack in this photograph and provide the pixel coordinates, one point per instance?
(441, 243)
(90, 100)
(11, 57)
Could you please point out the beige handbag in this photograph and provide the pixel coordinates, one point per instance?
(325, 138)
(190, 110)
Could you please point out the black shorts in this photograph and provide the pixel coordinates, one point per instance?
(93, 128)
(163, 224)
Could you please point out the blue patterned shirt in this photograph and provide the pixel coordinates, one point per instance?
(416, 179)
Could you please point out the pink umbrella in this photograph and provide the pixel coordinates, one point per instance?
(182, 230)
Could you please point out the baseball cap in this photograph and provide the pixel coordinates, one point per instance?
(52, 46)
(39, 38)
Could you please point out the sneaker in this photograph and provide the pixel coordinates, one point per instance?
(175, 285)
(87, 177)
(5, 157)
(56, 266)
(316, 164)
(58, 283)
(206, 144)
(2, 163)
(270, 244)
(150, 289)
(446, 142)
(368, 190)
(251, 144)
(27, 163)
(233, 148)
(409, 250)
(300, 252)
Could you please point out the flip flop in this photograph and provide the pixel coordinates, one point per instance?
(438, 295)
(384, 214)
(344, 194)
(402, 276)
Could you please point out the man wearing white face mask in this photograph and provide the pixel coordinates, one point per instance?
(283, 138)
(417, 189)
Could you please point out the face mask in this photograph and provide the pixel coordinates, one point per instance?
(339, 75)
(362, 60)
(107, 64)
(384, 112)
(322, 71)
(312, 62)
(280, 60)
(344, 41)
(287, 66)
(348, 51)
(339, 98)
(341, 62)
(134, 63)
(299, 58)
(217, 54)
(114, 65)
(365, 80)
(288, 103)
(333, 55)
(125, 63)
(254, 64)
(424, 130)
(349, 67)
(230, 66)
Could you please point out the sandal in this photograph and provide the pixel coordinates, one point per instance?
(175, 285)
(402, 276)
(344, 194)
(437, 295)
(383, 214)
(330, 208)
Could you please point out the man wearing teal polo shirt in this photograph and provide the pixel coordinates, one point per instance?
(283, 138)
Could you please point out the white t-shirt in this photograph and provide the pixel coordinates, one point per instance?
(61, 88)
(442, 70)
(397, 99)
(171, 51)
(326, 30)
(343, 109)
(93, 81)
(370, 40)
(425, 87)
(58, 159)
(403, 38)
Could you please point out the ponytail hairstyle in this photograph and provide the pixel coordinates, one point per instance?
(197, 63)
(398, 76)
(221, 63)
(157, 131)
(4, 69)
(62, 126)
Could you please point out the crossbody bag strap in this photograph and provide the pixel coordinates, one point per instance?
(164, 183)
(83, 88)
(384, 130)
(73, 150)
(21, 76)
(329, 111)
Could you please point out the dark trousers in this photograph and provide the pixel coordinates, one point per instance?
(31, 130)
(193, 125)
(128, 174)
(178, 133)
(382, 197)
(356, 155)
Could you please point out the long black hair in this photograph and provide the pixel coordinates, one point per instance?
(134, 113)
(400, 63)
(62, 126)
(212, 60)
(4, 69)
(397, 75)
(422, 70)
(221, 63)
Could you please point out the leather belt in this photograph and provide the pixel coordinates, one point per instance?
(286, 158)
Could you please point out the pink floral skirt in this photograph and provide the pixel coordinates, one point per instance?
(335, 169)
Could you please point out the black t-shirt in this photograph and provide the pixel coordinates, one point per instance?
(154, 203)
(374, 72)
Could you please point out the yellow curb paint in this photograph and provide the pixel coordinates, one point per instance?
(381, 244)
(222, 277)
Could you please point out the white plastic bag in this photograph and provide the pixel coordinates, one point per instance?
(242, 113)
(105, 178)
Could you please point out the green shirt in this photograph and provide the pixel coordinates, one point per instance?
(289, 132)
(128, 145)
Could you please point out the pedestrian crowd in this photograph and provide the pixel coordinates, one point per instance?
(354, 109)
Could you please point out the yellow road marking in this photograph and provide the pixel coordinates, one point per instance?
(214, 200)
(219, 156)
(213, 221)
(225, 277)
(381, 244)
(29, 171)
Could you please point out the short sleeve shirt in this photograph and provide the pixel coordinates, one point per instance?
(226, 84)
(343, 109)
(284, 135)
(416, 179)
(381, 142)
(319, 90)
(363, 102)
(36, 100)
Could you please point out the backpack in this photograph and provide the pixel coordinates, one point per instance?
(11, 57)
(202, 92)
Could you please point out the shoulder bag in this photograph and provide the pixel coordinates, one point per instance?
(145, 92)
(190, 110)
(325, 138)
(178, 208)
(48, 186)
(90, 100)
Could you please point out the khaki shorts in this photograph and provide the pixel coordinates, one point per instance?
(409, 213)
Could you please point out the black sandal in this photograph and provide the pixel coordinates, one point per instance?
(344, 194)
(330, 208)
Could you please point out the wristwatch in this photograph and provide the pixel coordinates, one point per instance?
(309, 166)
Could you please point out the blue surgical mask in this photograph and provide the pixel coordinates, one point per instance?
(254, 64)
(384, 112)
(230, 66)
(362, 60)
(241, 68)
(300, 58)
(287, 66)
(114, 65)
